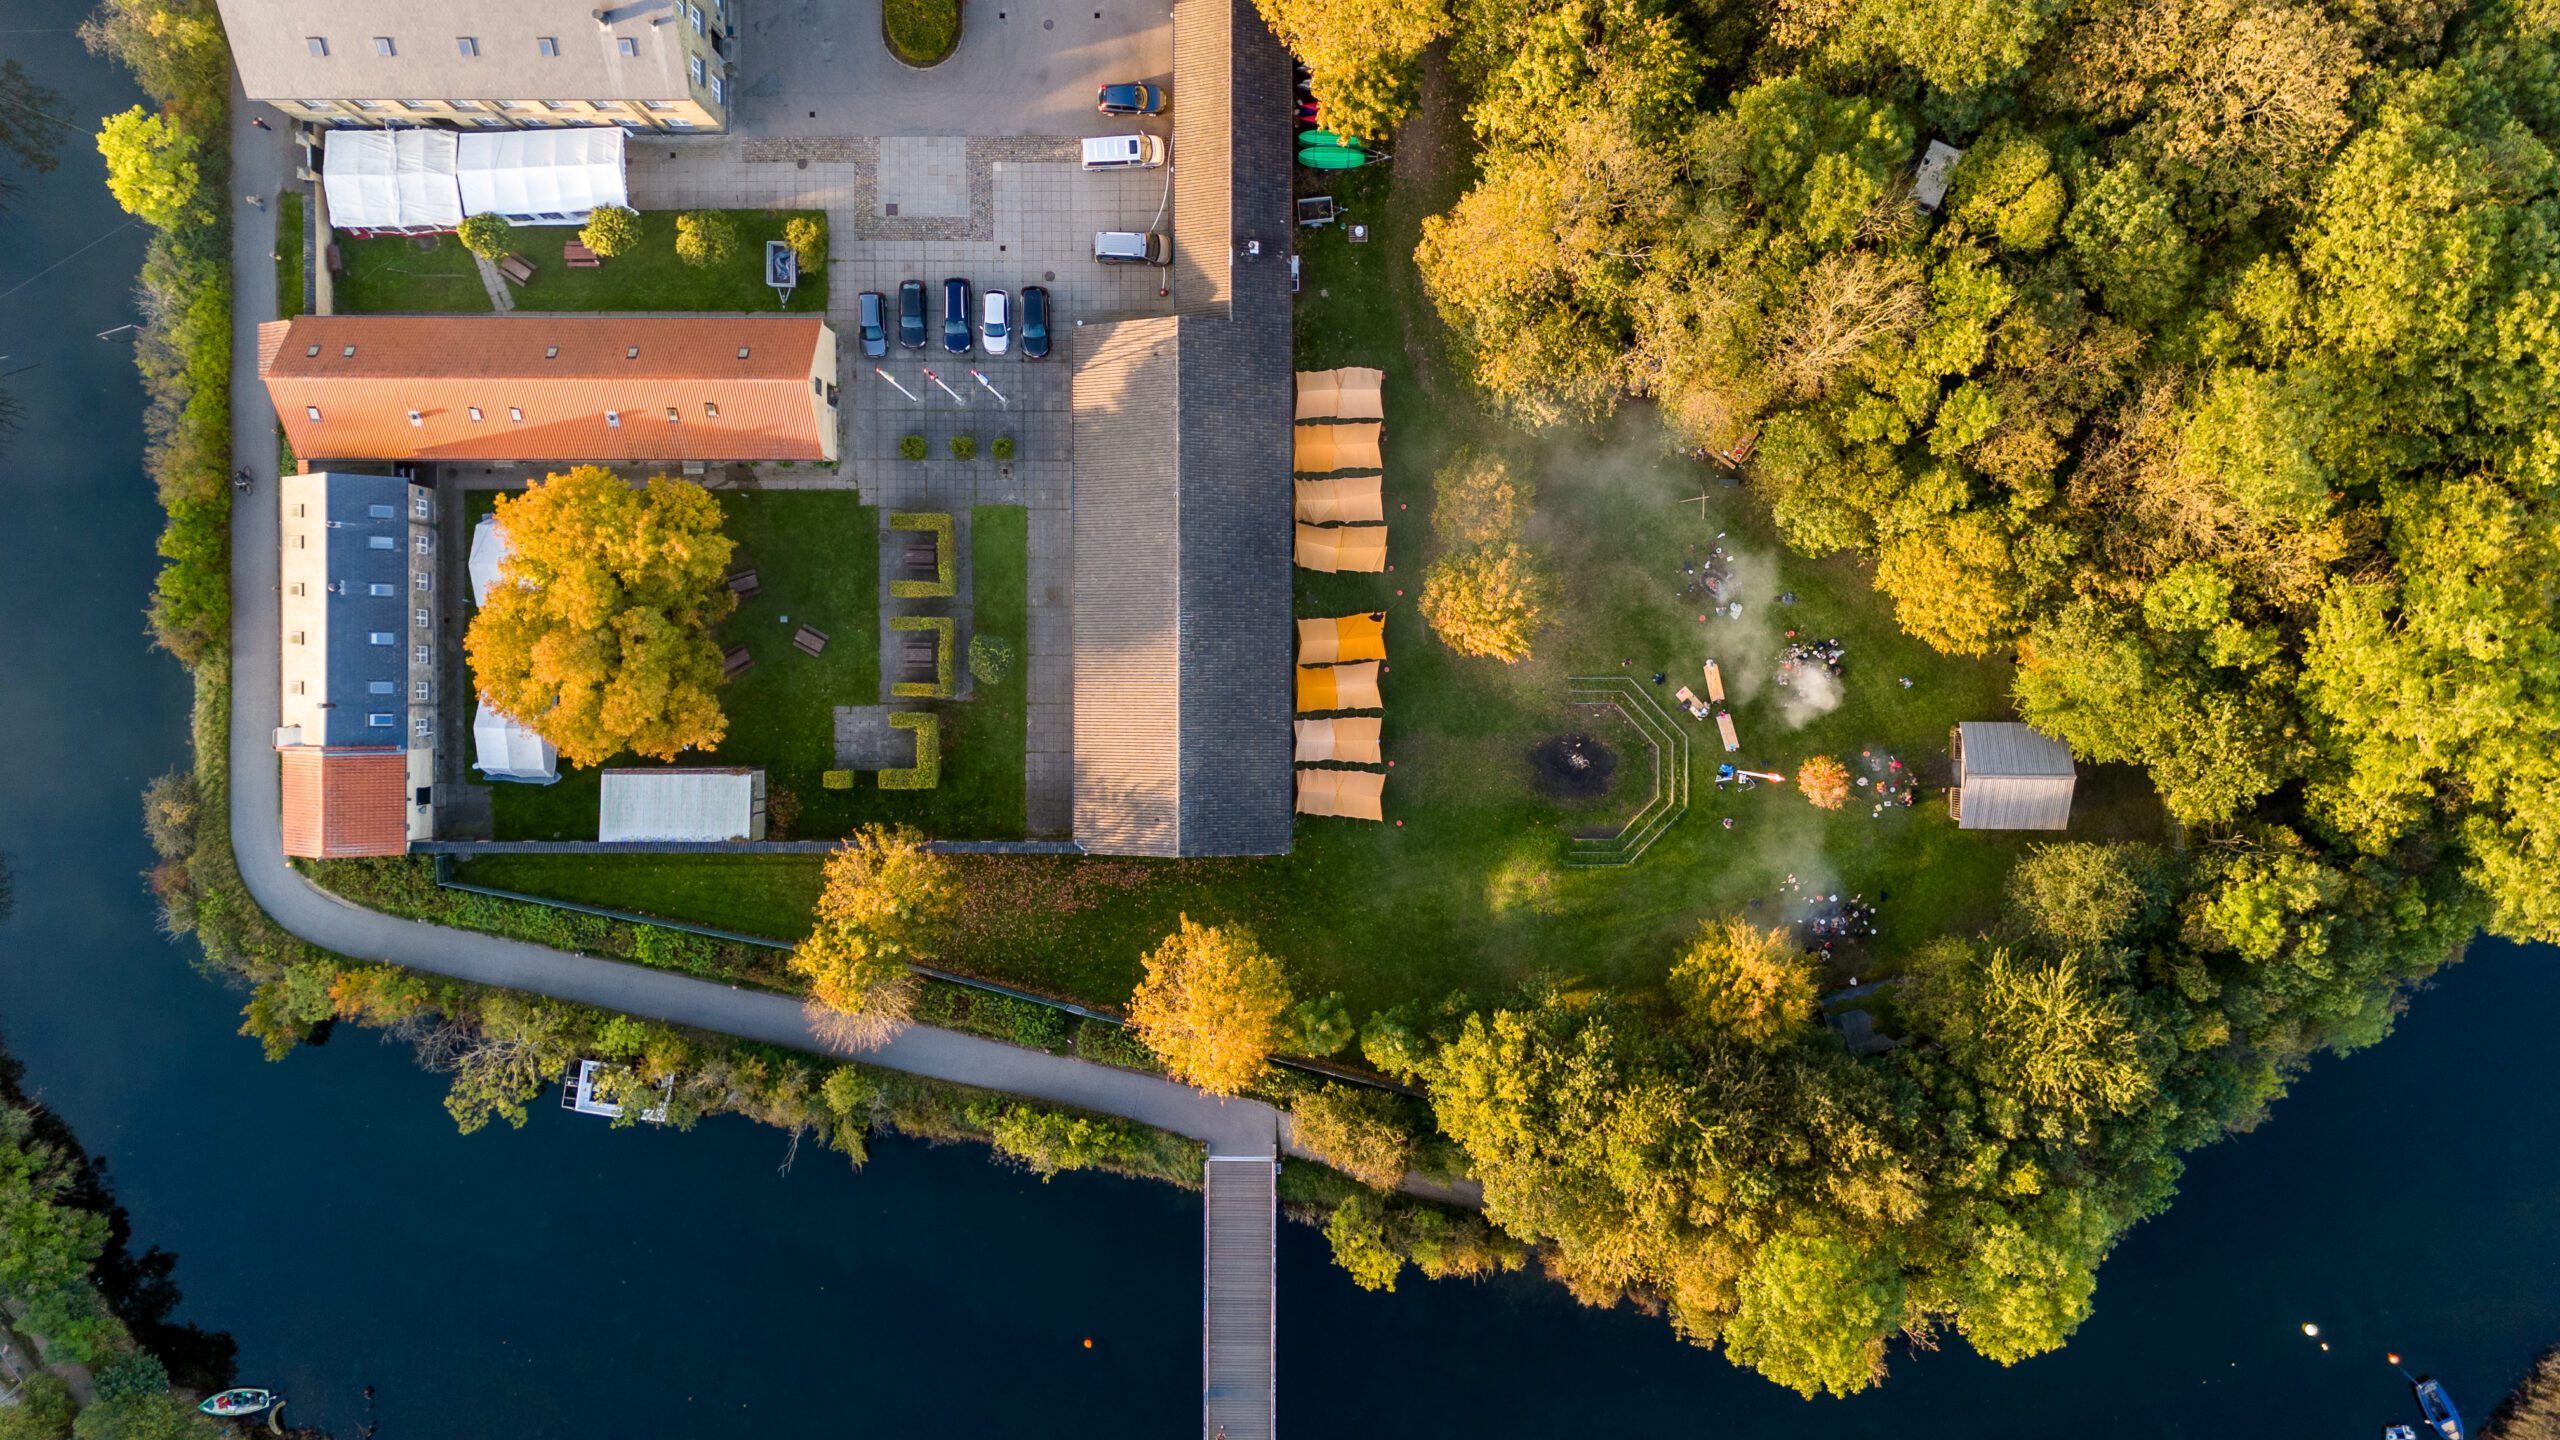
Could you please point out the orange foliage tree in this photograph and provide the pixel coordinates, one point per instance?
(1824, 781)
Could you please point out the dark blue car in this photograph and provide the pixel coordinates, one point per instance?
(911, 314)
(1035, 322)
(955, 316)
(1130, 100)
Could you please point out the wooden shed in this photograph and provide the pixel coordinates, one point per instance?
(2008, 777)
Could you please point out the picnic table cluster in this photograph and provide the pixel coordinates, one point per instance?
(1701, 709)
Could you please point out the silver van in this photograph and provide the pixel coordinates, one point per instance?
(1124, 152)
(1132, 247)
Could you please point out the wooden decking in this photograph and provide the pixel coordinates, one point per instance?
(1238, 1310)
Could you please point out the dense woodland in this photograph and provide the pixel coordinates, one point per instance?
(2219, 391)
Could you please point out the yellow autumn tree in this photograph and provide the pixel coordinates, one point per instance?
(1475, 499)
(1488, 601)
(888, 901)
(598, 634)
(1361, 54)
(1213, 1006)
(1824, 781)
(1756, 985)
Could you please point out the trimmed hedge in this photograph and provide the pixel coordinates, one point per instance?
(946, 641)
(945, 556)
(835, 780)
(911, 446)
(926, 773)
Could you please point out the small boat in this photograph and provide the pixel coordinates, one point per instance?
(2437, 1406)
(2399, 1432)
(231, 1404)
(1331, 157)
(1327, 137)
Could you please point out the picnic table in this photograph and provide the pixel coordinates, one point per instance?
(736, 662)
(579, 257)
(1724, 728)
(810, 640)
(515, 268)
(1715, 683)
(1690, 702)
(745, 584)
(920, 656)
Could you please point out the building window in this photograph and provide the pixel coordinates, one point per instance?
(489, 122)
(694, 13)
(348, 353)
(559, 104)
(297, 588)
(311, 413)
(382, 637)
(295, 637)
(551, 352)
(464, 104)
(381, 687)
(298, 687)
(369, 104)
(382, 46)
(382, 512)
(672, 416)
(422, 506)
(382, 588)
(694, 64)
(318, 107)
(516, 414)
(604, 107)
(654, 106)
(719, 92)
(474, 412)
(421, 690)
(426, 545)
(631, 352)
(511, 105)
(419, 104)
(742, 352)
(469, 45)
(710, 409)
(422, 655)
(382, 719)
(423, 619)
(422, 580)
(423, 726)
(679, 124)
(417, 419)
(817, 386)
(319, 46)
(629, 46)
(613, 418)
(300, 510)
(549, 45)
(382, 542)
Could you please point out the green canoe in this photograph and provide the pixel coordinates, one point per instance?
(1327, 137)
(1329, 157)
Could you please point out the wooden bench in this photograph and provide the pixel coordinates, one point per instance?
(516, 269)
(736, 663)
(579, 257)
(745, 584)
(810, 640)
(336, 259)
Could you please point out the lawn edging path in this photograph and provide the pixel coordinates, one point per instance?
(1234, 1127)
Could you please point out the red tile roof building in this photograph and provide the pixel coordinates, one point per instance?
(345, 802)
(553, 388)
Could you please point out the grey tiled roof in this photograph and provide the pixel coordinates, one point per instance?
(355, 614)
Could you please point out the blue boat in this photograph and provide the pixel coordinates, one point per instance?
(2437, 1406)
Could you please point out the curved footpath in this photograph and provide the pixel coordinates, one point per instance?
(261, 164)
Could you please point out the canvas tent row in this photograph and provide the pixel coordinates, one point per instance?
(1351, 499)
(1346, 637)
(1339, 687)
(1358, 548)
(1350, 739)
(1351, 794)
(1320, 449)
(1350, 393)
(502, 749)
(391, 182)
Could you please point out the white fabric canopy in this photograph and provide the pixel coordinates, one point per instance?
(488, 550)
(542, 176)
(390, 179)
(681, 805)
(508, 751)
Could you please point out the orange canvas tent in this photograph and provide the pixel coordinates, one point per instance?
(1352, 498)
(1323, 448)
(1345, 547)
(1351, 739)
(1351, 794)
(1347, 637)
(1338, 687)
(1350, 393)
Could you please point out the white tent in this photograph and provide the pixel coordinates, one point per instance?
(681, 805)
(394, 180)
(542, 177)
(508, 751)
(488, 551)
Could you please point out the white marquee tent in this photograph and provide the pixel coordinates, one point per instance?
(488, 550)
(542, 177)
(508, 751)
(399, 181)
(681, 805)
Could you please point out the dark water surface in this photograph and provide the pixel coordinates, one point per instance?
(572, 1280)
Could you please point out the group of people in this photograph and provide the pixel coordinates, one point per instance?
(1828, 922)
(1810, 653)
(1889, 781)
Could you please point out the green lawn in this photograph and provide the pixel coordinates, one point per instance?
(1470, 890)
(921, 32)
(816, 553)
(289, 237)
(391, 274)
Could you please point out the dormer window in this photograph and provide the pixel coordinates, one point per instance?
(672, 416)
(311, 413)
(383, 47)
(549, 45)
(551, 352)
(613, 418)
(318, 45)
(631, 353)
(417, 419)
(474, 412)
(710, 409)
(630, 46)
(516, 414)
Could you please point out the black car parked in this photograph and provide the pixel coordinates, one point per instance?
(911, 314)
(1035, 322)
(955, 315)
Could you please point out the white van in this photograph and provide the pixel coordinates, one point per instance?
(1132, 247)
(1124, 152)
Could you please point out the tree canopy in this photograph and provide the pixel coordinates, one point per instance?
(598, 635)
(888, 902)
(1213, 1006)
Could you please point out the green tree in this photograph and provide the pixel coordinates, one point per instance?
(706, 237)
(1357, 1230)
(2044, 1033)
(153, 169)
(1813, 1310)
(43, 1410)
(598, 636)
(1488, 601)
(1211, 1006)
(486, 236)
(2126, 242)
(1356, 1131)
(1321, 1025)
(2006, 187)
(146, 1417)
(1361, 54)
(611, 230)
(1048, 1142)
(2077, 895)
(1754, 984)
(807, 237)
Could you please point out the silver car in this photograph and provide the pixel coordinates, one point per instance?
(875, 337)
(996, 330)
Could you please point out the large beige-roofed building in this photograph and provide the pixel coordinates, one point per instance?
(488, 64)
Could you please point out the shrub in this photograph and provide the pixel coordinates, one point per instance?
(43, 1411)
(1488, 601)
(1321, 1026)
(1047, 1141)
(486, 236)
(990, 658)
(1358, 1132)
(781, 812)
(663, 949)
(945, 552)
(964, 447)
(705, 237)
(1002, 449)
(1358, 1232)
(911, 447)
(139, 1373)
(1108, 1044)
(807, 237)
(170, 806)
(611, 230)
(926, 773)
(836, 780)
(944, 683)
(1824, 781)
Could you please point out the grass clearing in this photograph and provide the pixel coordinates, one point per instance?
(392, 274)
(1471, 892)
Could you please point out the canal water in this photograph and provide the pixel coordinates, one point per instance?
(577, 1281)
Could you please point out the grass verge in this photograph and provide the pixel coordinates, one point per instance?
(289, 240)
